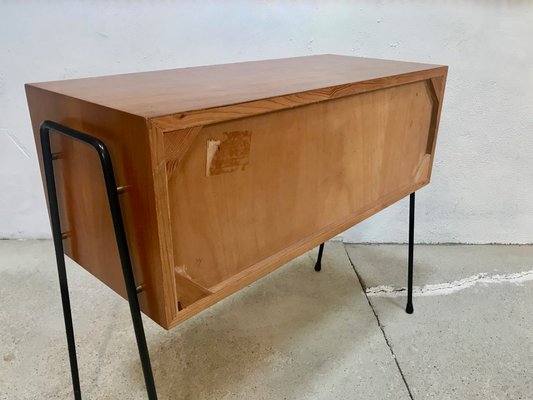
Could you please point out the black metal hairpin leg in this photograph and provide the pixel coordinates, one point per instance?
(409, 307)
(318, 265)
(122, 244)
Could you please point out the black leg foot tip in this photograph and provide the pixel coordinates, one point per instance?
(318, 267)
(409, 309)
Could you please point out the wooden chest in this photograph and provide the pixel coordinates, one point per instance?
(230, 171)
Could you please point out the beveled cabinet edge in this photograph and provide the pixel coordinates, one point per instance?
(182, 120)
(162, 205)
(437, 85)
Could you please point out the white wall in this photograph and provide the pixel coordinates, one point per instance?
(482, 188)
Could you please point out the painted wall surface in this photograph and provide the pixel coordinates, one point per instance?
(482, 188)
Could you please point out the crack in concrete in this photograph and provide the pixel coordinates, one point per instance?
(440, 289)
(380, 326)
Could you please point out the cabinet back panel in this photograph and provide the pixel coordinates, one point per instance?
(250, 188)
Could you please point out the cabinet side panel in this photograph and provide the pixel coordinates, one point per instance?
(85, 214)
(250, 194)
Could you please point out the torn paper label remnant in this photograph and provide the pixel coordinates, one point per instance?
(229, 154)
(212, 148)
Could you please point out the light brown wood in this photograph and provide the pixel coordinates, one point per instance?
(189, 291)
(180, 91)
(83, 202)
(234, 170)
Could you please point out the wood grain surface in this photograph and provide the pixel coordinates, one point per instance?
(176, 91)
(233, 170)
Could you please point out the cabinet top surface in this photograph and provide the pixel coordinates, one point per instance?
(159, 93)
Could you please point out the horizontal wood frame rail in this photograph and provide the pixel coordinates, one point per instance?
(169, 123)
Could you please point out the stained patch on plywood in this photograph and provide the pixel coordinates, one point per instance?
(229, 154)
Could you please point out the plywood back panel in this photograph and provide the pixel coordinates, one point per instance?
(247, 189)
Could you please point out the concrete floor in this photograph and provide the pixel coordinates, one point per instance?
(297, 334)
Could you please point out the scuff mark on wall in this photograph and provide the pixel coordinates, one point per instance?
(16, 143)
(440, 289)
